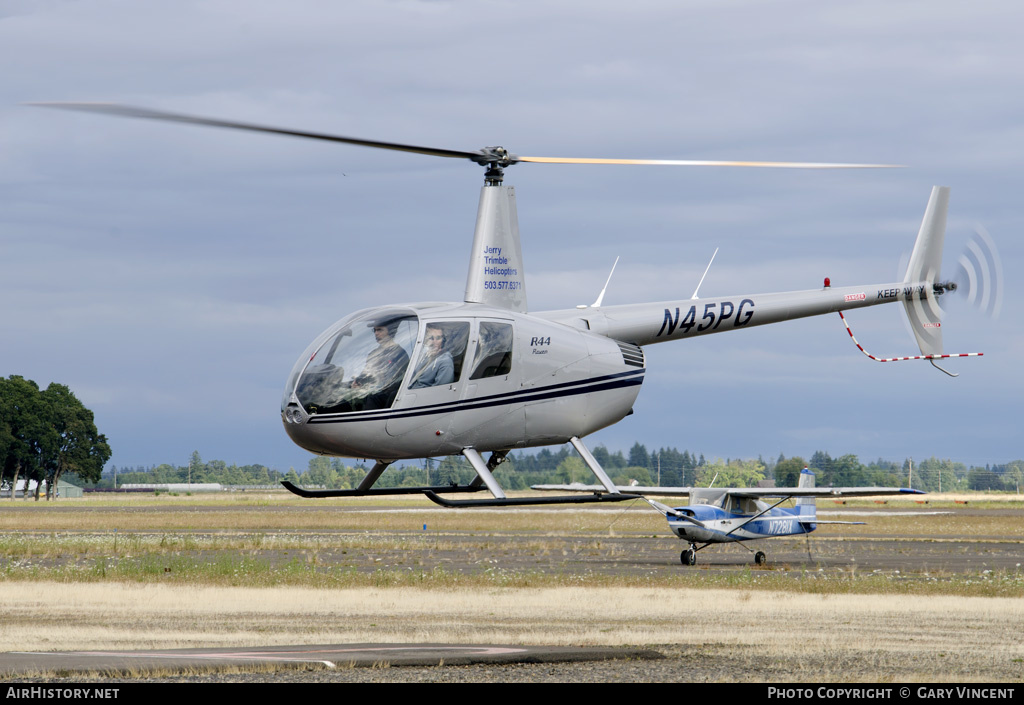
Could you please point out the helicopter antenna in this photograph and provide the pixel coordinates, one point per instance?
(600, 297)
(706, 270)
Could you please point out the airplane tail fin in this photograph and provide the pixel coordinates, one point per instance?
(925, 263)
(806, 505)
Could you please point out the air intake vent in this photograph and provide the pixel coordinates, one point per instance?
(631, 354)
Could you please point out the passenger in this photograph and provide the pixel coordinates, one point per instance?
(436, 365)
(385, 366)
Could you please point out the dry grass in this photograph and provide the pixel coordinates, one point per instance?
(823, 633)
(913, 635)
(279, 511)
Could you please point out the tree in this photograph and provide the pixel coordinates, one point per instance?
(46, 434)
(787, 471)
(572, 469)
(638, 456)
(735, 473)
(626, 475)
(319, 472)
(72, 442)
(1015, 475)
(21, 411)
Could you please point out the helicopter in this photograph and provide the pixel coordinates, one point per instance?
(488, 376)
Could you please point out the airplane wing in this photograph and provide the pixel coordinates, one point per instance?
(624, 489)
(753, 492)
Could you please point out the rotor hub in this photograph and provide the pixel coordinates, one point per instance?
(495, 159)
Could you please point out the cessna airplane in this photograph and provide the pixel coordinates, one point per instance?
(484, 375)
(733, 515)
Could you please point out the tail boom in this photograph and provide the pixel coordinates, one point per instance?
(646, 324)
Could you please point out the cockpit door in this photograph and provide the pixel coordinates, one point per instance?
(433, 386)
(491, 415)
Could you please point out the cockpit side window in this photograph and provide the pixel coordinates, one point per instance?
(441, 355)
(494, 353)
(743, 505)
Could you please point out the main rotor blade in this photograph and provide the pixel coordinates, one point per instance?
(148, 114)
(488, 156)
(692, 162)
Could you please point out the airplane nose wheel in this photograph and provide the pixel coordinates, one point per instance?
(760, 558)
(688, 557)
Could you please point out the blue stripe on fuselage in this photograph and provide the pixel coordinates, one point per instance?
(554, 391)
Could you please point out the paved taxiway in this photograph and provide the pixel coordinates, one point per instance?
(329, 655)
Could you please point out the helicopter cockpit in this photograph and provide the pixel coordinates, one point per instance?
(359, 364)
(356, 365)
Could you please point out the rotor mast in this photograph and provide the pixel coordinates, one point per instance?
(495, 276)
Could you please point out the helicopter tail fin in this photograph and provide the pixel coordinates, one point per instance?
(923, 271)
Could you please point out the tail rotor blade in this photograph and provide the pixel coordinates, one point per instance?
(979, 275)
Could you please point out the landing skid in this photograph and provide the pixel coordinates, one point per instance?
(319, 494)
(484, 475)
(484, 480)
(365, 488)
(526, 501)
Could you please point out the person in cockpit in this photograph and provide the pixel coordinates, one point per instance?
(436, 366)
(385, 366)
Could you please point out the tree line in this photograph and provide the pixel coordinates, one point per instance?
(45, 434)
(664, 467)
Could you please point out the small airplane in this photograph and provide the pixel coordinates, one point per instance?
(485, 375)
(734, 515)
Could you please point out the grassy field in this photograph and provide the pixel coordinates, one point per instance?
(272, 539)
(255, 569)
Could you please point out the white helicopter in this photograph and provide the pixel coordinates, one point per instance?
(484, 375)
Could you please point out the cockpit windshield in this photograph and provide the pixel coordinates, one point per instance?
(358, 367)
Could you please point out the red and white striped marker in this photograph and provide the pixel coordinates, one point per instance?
(897, 359)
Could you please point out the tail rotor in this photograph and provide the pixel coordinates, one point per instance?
(979, 276)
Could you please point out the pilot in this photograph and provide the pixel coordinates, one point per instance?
(436, 366)
(385, 365)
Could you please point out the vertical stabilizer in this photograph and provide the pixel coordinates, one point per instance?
(496, 276)
(806, 504)
(925, 264)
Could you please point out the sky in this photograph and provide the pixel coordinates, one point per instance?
(172, 275)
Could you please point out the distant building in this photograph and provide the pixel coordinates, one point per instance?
(175, 486)
(64, 489)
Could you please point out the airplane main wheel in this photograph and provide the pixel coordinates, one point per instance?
(688, 557)
(760, 558)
